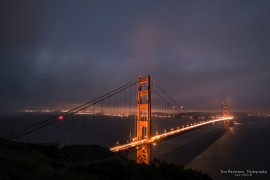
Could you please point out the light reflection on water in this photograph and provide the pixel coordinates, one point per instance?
(244, 147)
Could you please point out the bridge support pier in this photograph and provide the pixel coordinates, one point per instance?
(143, 154)
(143, 119)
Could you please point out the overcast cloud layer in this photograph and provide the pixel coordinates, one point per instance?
(56, 54)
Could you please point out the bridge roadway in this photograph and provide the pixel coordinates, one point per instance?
(166, 134)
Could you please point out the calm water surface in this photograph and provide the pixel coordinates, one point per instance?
(219, 151)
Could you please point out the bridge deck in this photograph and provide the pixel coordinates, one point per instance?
(165, 135)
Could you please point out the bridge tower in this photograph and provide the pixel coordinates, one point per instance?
(225, 110)
(144, 119)
(225, 113)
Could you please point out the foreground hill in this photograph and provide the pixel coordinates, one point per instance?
(33, 161)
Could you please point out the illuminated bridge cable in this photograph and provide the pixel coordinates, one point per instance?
(53, 120)
(69, 113)
(164, 100)
(165, 93)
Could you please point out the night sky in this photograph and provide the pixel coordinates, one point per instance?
(57, 54)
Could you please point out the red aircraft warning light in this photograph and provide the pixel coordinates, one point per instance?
(60, 118)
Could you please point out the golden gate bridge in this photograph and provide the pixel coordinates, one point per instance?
(142, 105)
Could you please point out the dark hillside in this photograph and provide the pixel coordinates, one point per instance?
(33, 161)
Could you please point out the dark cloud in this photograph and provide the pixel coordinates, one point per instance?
(56, 53)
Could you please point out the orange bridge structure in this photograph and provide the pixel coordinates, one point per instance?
(138, 105)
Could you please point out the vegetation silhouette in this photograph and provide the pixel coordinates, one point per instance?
(34, 161)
